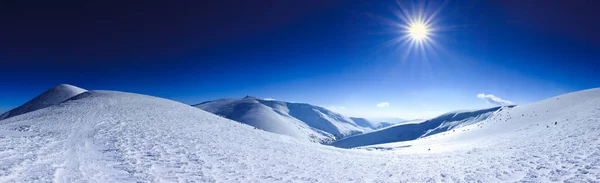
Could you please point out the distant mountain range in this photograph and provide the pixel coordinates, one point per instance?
(299, 120)
(318, 124)
(418, 129)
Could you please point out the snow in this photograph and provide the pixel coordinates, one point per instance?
(364, 122)
(106, 136)
(51, 97)
(303, 121)
(388, 120)
(411, 130)
(377, 123)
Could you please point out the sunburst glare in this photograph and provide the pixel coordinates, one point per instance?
(416, 28)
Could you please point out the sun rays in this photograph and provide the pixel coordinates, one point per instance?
(416, 28)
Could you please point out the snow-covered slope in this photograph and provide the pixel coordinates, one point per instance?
(365, 122)
(51, 97)
(299, 120)
(103, 136)
(555, 126)
(411, 131)
(377, 123)
(388, 121)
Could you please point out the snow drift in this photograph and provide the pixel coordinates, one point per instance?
(403, 132)
(107, 136)
(51, 97)
(299, 120)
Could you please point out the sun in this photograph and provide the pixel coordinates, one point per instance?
(418, 31)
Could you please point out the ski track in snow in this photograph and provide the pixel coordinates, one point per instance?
(120, 137)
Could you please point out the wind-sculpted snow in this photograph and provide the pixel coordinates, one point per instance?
(103, 136)
(51, 97)
(411, 131)
(298, 120)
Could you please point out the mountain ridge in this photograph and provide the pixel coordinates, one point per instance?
(316, 123)
(404, 132)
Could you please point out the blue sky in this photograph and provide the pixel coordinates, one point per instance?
(328, 53)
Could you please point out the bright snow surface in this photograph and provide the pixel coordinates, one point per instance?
(103, 136)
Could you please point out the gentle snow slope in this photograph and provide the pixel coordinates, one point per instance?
(103, 136)
(299, 120)
(51, 97)
(411, 131)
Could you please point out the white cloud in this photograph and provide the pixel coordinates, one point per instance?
(268, 98)
(383, 104)
(492, 99)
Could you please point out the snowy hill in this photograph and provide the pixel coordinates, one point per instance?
(411, 131)
(298, 120)
(105, 136)
(51, 97)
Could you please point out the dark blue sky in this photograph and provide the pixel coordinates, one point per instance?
(329, 53)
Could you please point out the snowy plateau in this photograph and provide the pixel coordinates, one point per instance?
(68, 134)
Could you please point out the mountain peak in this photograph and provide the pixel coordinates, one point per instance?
(50, 97)
(66, 87)
(250, 97)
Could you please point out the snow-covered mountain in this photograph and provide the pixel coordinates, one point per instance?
(51, 97)
(411, 131)
(298, 120)
(388, 120)
(377, 123)
(107, 136)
